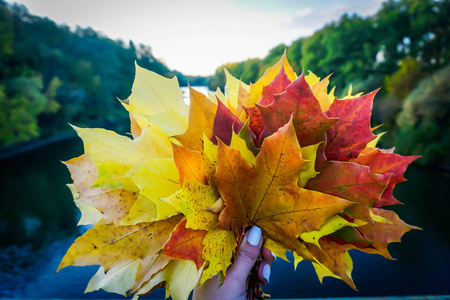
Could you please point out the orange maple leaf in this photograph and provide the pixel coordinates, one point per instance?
(267, 194)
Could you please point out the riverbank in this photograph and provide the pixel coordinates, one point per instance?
(120, 125)
(21, 148)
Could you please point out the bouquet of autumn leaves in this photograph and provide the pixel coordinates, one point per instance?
(170, 205)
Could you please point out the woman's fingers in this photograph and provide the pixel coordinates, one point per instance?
(246, 255)
(265, 266)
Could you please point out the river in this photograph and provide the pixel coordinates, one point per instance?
(38, 224)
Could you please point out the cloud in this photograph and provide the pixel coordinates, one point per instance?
(303, 12)
(315, 18)
(195, 37)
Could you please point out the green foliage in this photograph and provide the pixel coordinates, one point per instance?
(22, 101)
(362, 51)
(424, 122)
(405, 79)
(397, 86)
(78, 74)
(404, 42)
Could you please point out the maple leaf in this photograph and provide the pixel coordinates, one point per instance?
(189, 164)
(309, 153)
(157, 179)
(148, 267)
(201, 119)
(319, 90)
(209, 157)
(110, 245)
(193, 201)
(352, 133)
(333, 257)
(106, 204)
(225, 122)
(276, 86)
(298, 100)
(240, 144)
(381, 162)
(118, 280)
(243, 100)
(330, 226)
(171, 213)
(158, 100)
(179, 276)
(114, 155)
(381, 234)
(186, 243)
(256, 89)
(235, 89)
(255, 119)
(352, 182)
(249, 137)
(267, 194)
(218, 249)
(143, 210)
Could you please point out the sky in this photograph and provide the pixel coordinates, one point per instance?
(196, 37)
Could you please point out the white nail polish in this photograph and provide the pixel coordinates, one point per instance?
(274, 257)
(254, 235)
(266, 272)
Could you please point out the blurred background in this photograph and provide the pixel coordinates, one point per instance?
(68, 61)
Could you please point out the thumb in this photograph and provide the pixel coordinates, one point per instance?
(247, 255)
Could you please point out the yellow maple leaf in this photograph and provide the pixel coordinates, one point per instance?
(157, 179)
(240, 145)
(193, 201)
(111, 246)
(118, 280)
(309, 154)
(218, 249)
(209, 156)
(114, 155)
(143, 210)
(331, 225)
(179, 276)
(232, 86)
(159, 100)
(350, 94)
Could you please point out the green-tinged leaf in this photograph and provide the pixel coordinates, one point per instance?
(179, 276)
(118, 280)
(239, 144)
(157, 179)
(97, 204)
(309, 154)
(114, 154)
(330, 226)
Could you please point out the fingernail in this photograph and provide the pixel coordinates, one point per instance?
(274, 257)
(266, 272)
(254, 235)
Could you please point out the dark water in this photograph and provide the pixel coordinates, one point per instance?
(38, 224)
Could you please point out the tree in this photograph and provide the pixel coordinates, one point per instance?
(424, 122)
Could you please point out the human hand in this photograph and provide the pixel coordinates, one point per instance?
(234, 285)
